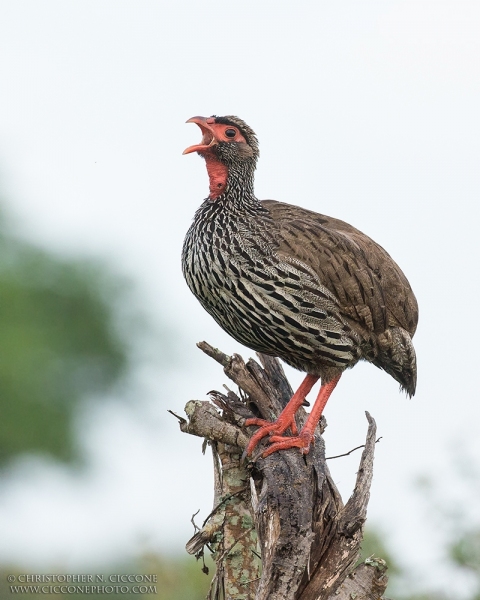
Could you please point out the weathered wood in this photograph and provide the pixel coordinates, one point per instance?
(284, 508)
(368, 581)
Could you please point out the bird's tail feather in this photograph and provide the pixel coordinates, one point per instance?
(396, 356)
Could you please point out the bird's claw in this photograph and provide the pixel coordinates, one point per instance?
(273, 429)
(275, 425)
(278, 442)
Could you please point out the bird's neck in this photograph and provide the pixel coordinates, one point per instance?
(234, 181)
(218, 175)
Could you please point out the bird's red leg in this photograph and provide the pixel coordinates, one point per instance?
(285, 419)
(304, 438)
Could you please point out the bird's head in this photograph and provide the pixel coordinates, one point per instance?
(229, 146)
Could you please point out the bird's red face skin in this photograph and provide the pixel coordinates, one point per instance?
(212, 134)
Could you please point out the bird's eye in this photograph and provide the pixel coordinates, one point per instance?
(230, 133)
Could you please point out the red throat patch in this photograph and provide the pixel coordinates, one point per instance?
(218, 173)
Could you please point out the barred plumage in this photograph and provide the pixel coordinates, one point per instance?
(291, 283)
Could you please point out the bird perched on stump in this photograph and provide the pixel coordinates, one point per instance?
(288, 282)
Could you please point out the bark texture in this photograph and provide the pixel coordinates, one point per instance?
(279, 529)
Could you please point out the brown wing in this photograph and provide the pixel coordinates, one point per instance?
(369, 286)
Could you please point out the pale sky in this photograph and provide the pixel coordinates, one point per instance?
(368, 112)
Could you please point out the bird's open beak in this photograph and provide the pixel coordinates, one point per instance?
(208, 138)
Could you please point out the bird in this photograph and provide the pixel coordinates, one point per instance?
(288, 282)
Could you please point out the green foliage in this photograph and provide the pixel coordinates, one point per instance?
(180, 578)
(465, 552)
(58, 344)
(176, 579)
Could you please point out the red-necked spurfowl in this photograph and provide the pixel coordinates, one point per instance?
(292, 283)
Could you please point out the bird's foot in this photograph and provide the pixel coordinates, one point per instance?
(275, 428)
(286, 420)
(303, 441)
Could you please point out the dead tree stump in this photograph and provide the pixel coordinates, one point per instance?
(279, 529)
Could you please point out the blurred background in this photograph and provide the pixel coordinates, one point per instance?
(365, 111)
